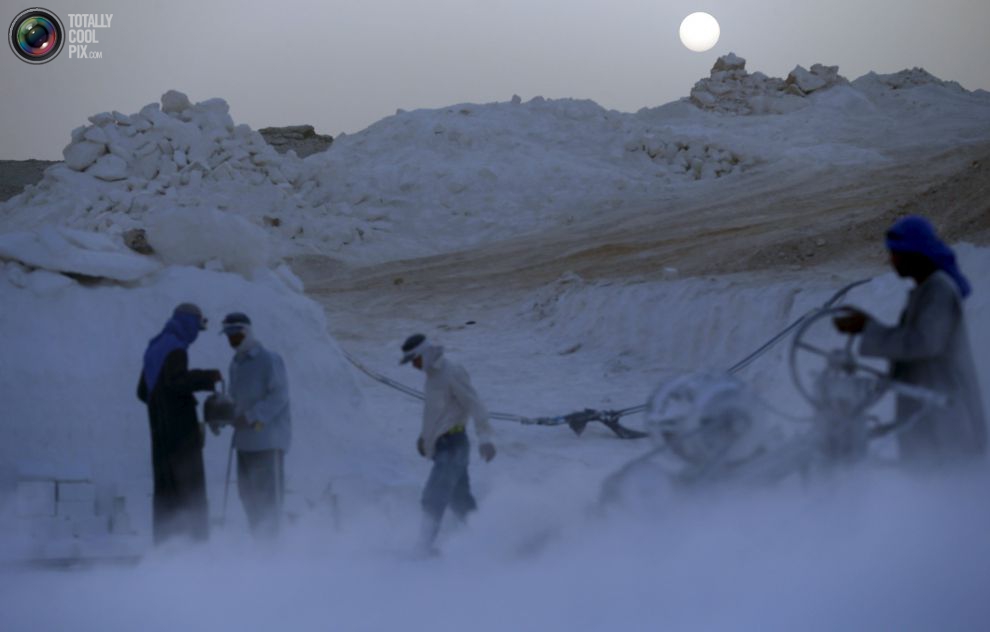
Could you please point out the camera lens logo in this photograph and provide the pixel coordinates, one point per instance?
(36, 36)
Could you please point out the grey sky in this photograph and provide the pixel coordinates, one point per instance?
(343, 64)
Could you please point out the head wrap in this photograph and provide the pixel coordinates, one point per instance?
(413, 346)
(235, 322)
(180, 331)
(915, 234)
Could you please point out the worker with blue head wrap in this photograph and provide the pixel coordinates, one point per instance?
(928, 347)
(167, 385)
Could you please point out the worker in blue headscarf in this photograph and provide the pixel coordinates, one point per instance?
(928, 347)
(167, 385)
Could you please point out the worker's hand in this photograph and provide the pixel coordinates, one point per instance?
(216, 376)
(241, 422)
(852, 321)
(421, 447)
(487, 451)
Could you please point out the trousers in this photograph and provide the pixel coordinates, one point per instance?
(261, 486)
(179, 504)
(448, 484)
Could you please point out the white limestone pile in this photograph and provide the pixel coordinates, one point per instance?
(176, 143)
(182, 182)
(694, 158)
(204, 189)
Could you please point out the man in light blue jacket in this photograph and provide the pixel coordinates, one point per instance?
(262, 425)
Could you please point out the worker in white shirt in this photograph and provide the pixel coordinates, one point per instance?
(450, 400)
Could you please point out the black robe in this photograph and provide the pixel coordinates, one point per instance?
(179, 506)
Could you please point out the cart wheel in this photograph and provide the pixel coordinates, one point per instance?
(840, 360)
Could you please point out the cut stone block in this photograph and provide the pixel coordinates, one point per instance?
(90, 527)
(76, 491)
(80, 155)
(75, 509)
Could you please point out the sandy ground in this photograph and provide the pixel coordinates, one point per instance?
(759, 222)
(818, 223)
(763, 223)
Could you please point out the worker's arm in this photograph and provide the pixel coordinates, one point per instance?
(177, 376)
(276, 398)
(464, 393)
(926, 336)
(142, 388)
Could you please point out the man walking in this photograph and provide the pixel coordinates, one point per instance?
(450, 399)
(259, 388)
(167, 385)
(929, 347)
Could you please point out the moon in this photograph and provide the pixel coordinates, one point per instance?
(699, 32)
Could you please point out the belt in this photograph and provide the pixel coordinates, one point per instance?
(455, 430)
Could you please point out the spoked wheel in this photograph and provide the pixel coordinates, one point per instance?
(844, 382)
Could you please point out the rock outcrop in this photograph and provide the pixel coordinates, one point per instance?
(731, 89)
(15, 175)
(301, 139)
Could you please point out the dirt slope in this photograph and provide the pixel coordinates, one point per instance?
(763, 222)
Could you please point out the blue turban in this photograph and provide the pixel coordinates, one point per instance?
(915, 234)
(179, 332)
